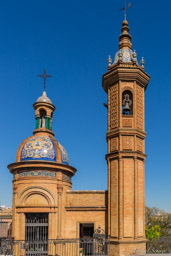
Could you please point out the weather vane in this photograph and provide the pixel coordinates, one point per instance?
(44, 75)
(125, 8)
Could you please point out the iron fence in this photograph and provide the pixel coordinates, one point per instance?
(161, 245)
(74, 247)
(82, 247)
(63, 247)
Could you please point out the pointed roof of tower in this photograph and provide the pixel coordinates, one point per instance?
(125, 53)
(125, 37)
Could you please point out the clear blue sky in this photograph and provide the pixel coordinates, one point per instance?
(72, 40)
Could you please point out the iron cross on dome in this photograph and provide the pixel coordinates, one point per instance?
(44, 75)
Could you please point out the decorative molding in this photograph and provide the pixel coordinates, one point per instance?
(127, 142)
(87, 192)
(85, 208)
(114, 107)
(140, 107)
(140, 144)
(125, 73)
(114, 144)
(127, 122)
(35, 189)
(66, 178)
(50, 174)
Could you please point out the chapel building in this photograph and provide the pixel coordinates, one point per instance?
(42, 183)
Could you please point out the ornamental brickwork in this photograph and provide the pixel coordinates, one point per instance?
(140, 107)
(125, 83)
(114, 144)
(127, 142)
(113, 107)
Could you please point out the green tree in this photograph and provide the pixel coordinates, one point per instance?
(155, 217)
(153, 232)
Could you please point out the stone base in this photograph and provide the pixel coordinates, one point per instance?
(122, 248)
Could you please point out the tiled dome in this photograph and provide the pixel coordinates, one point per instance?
(64, 155)
(42, 147)
(44, 98)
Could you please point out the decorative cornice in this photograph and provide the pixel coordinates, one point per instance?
(41, 164)
(125, 73)
(87, 192)
(30, 209)
(45, 104)
(137, 241)
(125, 131)
(44, 131)
(126, 154)
(85, 208)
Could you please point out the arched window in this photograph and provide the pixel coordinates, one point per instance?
(42, 118)
(127, 103)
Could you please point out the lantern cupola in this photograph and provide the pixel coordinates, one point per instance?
(44, 113)
(44, 110)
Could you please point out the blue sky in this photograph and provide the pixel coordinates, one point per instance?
(72, 40)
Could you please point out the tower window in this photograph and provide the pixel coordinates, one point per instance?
(42, 118)
(127, 103)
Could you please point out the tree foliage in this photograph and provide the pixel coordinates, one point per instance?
(158, 223)
(153, 232)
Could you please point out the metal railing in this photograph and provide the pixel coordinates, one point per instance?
(63, 247)
(161, 245)
(82, 247)
(74, 247)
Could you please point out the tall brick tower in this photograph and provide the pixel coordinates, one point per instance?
(125, 83)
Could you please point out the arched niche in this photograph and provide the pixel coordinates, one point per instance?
(36, 199)
(127, 103)
(36, 196)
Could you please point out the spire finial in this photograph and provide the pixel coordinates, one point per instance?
(125, 8)
(125, 37)
(44, 75)
(142, 62)
(109, 60)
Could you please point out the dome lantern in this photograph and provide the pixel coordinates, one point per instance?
(44, 113)
(44, 110)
